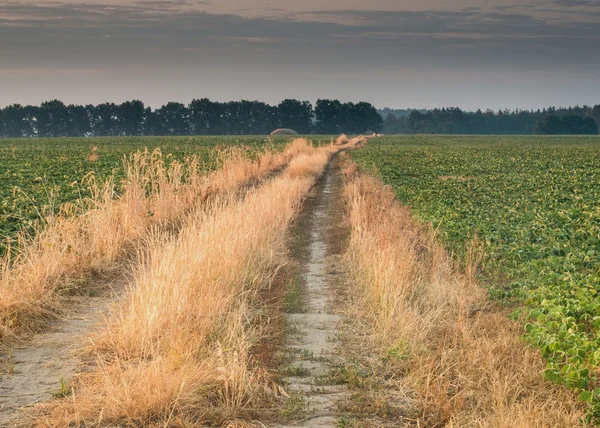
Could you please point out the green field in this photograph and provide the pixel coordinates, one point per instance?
(534, 202)
(40, 174)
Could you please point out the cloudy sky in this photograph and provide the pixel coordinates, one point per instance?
(397, 53)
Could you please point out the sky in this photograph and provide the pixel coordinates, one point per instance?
(393, 53)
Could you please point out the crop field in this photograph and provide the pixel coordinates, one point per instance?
(533, 204)
(37, 175)
(418, 281)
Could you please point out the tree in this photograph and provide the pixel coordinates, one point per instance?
(29, 121)
(205, 117)
(79, 122)
(579, 125)
(296, 115)
(52, 119)
(244, 117)
(416, 121)
(105, 119)
(14, 121)
(550, 125)
(366, 118)
(152, 125)
(230, 116)
(131, 118)
(394, 125)
(589, 126)
(596, 113)
(328, 116)
(173, 119)
(264, 118)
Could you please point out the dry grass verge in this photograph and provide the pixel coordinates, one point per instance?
(177, 350)
(81, 242)
(452, 356)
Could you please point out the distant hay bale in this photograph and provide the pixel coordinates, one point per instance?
(284, 131)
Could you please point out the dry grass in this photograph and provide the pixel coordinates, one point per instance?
(96, 235)
(341, 140)
(93, 156)
(177, 350)
(459, 357)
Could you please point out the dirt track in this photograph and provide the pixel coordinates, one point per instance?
(40, 369)
(312, 360)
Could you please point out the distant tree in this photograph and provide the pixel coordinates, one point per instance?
(79, 123)
(265, 118)
(596, 113)
(589, 126)
(153, 125)
(417, 121)
(52, 119)
(131, 118)
(244, 117)
(391, 124)
(296, 115)
(230, 115)
(204, 117)
(14, 121)
(329, 116)
(550, 125)
(351, 119)
(360, 118)
(578, 125)
(173, 119)
(29, 122)
(105, 120)
(255, 117)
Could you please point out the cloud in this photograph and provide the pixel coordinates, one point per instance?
(577, 3)
(176, 33)
(162, 50)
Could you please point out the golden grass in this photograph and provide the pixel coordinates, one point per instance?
(70, 247)
(459, 356)
(176, 351)
(341, 140)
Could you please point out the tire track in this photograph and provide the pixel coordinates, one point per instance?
(312, 360)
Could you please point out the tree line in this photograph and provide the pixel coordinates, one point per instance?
(571, 120)
(200, 117)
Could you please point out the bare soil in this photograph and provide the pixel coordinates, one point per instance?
(311, 354)
(41, 368)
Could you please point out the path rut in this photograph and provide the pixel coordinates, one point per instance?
(32, 373)
(311, 355)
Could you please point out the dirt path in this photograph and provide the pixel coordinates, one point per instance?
(40, 368)
(311, 358)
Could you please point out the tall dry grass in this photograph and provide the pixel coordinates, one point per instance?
(79, 242)
(177, 350)
(458, 354)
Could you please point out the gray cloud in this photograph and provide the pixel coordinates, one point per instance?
(173, 37)
(162, 26)
(576, 3)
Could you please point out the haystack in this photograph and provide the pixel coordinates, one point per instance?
(284, 131)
